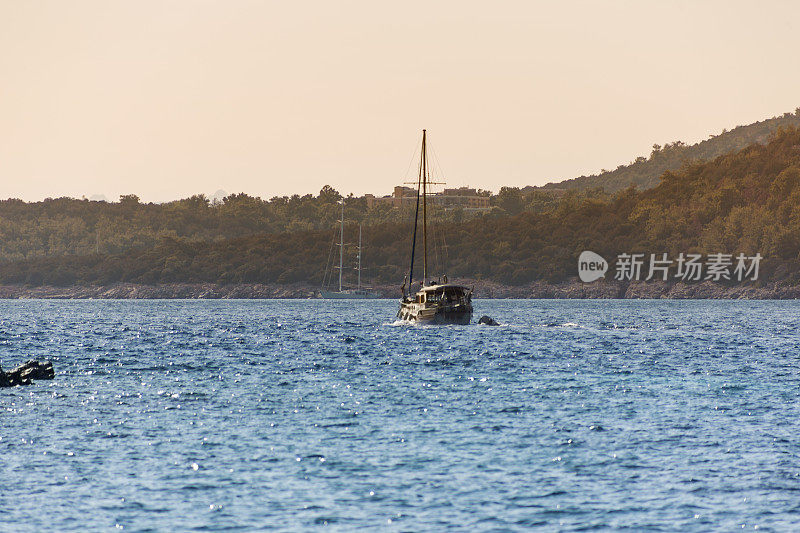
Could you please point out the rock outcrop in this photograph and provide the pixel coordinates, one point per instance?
(25, 373)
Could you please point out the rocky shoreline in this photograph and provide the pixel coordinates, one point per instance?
(572, 289)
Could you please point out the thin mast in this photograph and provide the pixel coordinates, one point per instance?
(416, 218)
(359, 256)
(341, 247)
(424, 210)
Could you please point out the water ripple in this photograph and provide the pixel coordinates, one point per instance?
(254, 415)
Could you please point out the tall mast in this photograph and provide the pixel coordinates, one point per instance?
(359, 256)
(416, 219)
(341, 246)
(424, 210)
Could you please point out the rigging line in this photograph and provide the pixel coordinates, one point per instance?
(441, 263)
(436, 253)
(435, 172)
(414, 237)
(443, 246)
(437, 163)
(328, 263)
(440, 249)
(434, 245)
(410, 162)
(360, 252)
(435, 209)
(434, 226)
(446, 251)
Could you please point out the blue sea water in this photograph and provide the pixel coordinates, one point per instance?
(298, 415)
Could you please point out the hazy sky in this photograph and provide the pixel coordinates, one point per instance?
(167, 98)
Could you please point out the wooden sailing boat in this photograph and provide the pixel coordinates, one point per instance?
(436, 302)
(359, 293)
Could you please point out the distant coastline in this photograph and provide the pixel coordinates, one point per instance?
(571, 289)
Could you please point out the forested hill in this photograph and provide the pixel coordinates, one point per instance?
(68, 226)
(747, 201)
(645, 172)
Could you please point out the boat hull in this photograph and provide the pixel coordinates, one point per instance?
(441, 319)
(420, 314)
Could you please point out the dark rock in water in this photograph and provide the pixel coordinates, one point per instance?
(489, 321)
(25, 373)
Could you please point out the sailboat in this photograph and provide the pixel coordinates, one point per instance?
(359, 293)
(436, 302)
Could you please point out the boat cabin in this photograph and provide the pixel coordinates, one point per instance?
(444, 295)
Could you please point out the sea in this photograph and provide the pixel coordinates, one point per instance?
(259, 415)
